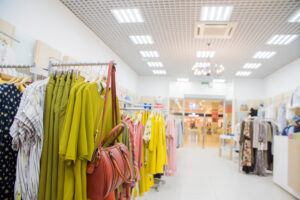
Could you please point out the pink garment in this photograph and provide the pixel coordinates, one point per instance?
(136, 144)
(139, 131)
(171, 134)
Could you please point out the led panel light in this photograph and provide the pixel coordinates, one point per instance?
(201, 65)
(149, 54)
(252, 65)
(141, 39)
(155, 64)
(159, 72)
(182, 79)
(127, 15)
(281, 39)
(219, 80)
(264, 54)
(205, 54)
(216, 13)
(295, 17)
(243, 73)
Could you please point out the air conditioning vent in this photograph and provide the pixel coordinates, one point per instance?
(222, 30)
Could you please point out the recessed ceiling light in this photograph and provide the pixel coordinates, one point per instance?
(205, 54)
(295, 17)
(182, 79)
(281, 39)
(141, 39)
(159, 72)
(216, 13)
(252, 65)
(149, 54)
(155, 64)
(218, 80)
(201, 65)
(243, 73)
(127, 15)
(264, 54)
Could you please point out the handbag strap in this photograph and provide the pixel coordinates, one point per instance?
(116, 128)
(128, 181)
(110, 79)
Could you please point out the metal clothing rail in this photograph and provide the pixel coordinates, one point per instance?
(17, 66)
(10, 37)
(76, 64)
(32, 69)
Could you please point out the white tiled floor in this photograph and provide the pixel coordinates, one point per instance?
(202, 174)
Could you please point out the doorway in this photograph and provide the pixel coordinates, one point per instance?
(204, 120)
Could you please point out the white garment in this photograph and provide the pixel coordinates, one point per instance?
(7, 55)
(295, 101)
(27, 134)
(281, 118)
(270, 113)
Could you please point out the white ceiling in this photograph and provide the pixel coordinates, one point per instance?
(171, 25)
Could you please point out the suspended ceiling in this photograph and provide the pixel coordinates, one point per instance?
(171, 25)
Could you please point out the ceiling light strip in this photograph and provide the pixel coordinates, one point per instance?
(127, 15)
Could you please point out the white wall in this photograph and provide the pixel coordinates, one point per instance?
(180, 89)
(51, 22)
(283, 80)
(153, 86)
(165, 87)
(249, 89)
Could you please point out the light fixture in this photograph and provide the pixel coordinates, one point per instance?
(281, 39)
(219, 80)
(201, 65)
(243, 73)
(149, 54)
(159, 72)
(205, 54)
(127, 15)
(216, 13)
(207, 68)
(252, 65)
(141, 39)
(295, 17)
(264, 54)
(182, 79)
(155, 64)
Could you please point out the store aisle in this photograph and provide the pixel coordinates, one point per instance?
(203, 175)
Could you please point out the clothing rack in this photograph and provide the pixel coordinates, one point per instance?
(10, 37)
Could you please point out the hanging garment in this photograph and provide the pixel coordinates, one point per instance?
(246, 156)
(295, 100)
(259, 168)
(27, 134)
(44, 157)
(171, 134)
(258, 127)
(281, 118)
(179, 124)
(10, 98)
(62, 113)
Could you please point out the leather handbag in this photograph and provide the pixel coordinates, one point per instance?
(110, 166)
